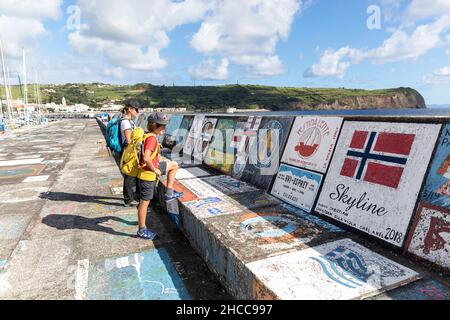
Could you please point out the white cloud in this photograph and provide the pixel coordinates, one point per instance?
(447, 52)
(400, 46)
(31, 9)
(117, 73)
(132, 35)
(331, 64)
(420, 9)
(439, 76)
(22, 23)
(390, 8)
(210, 70)
(247, 32)
(443, 72)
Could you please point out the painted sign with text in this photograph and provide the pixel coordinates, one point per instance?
(311, 143)
(297, 187)
(266, 150)
(376, 175)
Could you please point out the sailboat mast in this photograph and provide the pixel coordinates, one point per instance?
(8, 100)
(27, 118)
(8, 86)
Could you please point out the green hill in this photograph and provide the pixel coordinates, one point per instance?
(240, 96)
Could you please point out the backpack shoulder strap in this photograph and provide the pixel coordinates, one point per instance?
(156, 152)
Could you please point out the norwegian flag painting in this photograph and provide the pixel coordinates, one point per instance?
(378, 157)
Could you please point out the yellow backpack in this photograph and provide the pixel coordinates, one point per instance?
(129, 163)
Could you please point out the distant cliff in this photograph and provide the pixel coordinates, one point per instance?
(212, 98)
(389, 99)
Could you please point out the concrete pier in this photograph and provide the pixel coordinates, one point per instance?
(64, 233)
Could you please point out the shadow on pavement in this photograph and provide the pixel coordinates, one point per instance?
(69, 222)
(63, 196)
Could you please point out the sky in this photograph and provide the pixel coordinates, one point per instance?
(369, 44)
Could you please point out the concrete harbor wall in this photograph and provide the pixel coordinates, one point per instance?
(293, 211)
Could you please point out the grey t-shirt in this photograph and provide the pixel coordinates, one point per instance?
(126, 124)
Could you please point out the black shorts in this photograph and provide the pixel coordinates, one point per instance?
(147, 189)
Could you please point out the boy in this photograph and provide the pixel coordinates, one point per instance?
(151, 170)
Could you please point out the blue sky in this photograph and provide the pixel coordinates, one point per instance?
(297, 43)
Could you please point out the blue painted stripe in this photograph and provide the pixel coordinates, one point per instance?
(329, 275)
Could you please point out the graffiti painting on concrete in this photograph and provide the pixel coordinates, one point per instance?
(266, 151)
(255, 199)
(192, 137)
(311, 143)
(171, 130)
(229, 185)
(213, 207)
(426, 289)
(201, 188)
(311, 218)
(437, 187)
(340, 270)
(13, 225)
(183, 130)
(148, 275)
(246, 138)
(430, 235)
(376, 175)
(174, 124)
(192, 173)
(267, 231)
(202, 144)
(220, 154)
(297, 187)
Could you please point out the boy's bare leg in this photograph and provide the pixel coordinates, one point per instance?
(142, 213)
(172, 168)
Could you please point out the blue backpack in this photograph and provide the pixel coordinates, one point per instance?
(113, 135)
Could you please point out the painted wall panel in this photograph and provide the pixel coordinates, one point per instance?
(437, 187)
(297, 187)
(376, 175)
(174, 124)
(229, 185)
(430, 236)
(340, 270)
(265, 152)
(202, 144)
(192, 137)
(247, 137)
(311, 143)
(213, 207)
(220, 155)
(183, 131)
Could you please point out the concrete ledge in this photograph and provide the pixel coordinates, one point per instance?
(255, 246)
